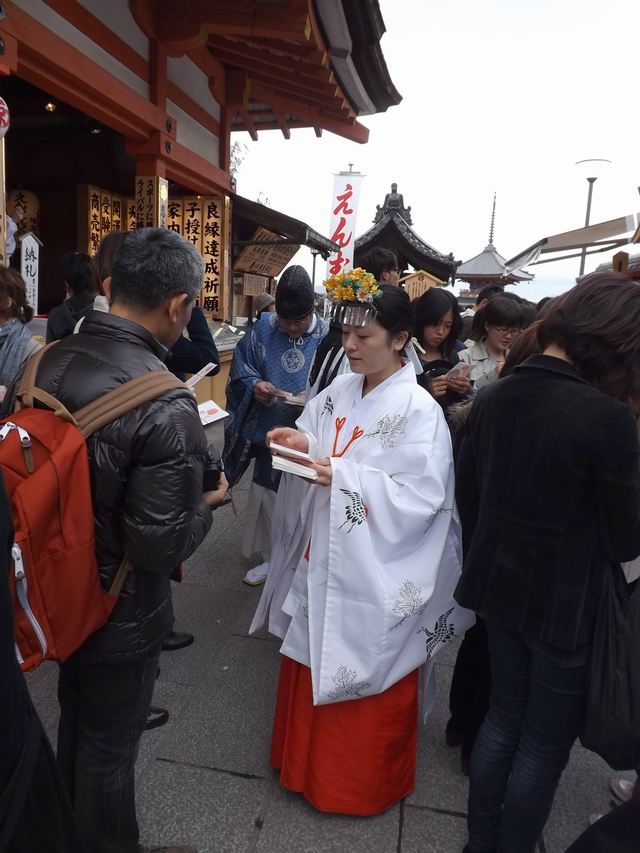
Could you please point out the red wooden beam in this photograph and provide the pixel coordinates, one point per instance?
(307, 51)
(282, 124)
(248, 122)
(229, 50)
(47, 61)
(87, 23)
(238, 87)
(214, 70)
(233, 18)
(289, 88)
(158, 75)
(288, 80)
(312, 116)
(144, 14)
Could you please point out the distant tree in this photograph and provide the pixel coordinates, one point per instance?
(238, 153)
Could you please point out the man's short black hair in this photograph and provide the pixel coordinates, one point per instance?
(488, 292)
(379, 261)
(78, 272)
(153, 264)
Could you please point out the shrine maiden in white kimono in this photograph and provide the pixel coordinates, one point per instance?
(363, 572)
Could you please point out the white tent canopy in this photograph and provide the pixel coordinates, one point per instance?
(599, 238)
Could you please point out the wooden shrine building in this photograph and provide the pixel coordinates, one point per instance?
(392, 230)
(122, 113)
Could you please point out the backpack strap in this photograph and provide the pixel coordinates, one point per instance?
(109, 407)
(28, 381)
(112, 405)
(121, 575)
(31, 393)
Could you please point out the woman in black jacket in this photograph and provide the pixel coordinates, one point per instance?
(549, 496)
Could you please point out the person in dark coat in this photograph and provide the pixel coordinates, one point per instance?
(80, 287)
(190, 354)
(35, 813)
(147, 472)
(549, 498)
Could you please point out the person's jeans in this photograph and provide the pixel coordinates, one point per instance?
(103, 710)
(536, 708)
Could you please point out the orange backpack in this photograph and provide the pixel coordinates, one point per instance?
(55, 585)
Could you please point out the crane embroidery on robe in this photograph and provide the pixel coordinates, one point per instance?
(356, 512)
(346, 684)
(435, 513)
(443, 632)
(409, 603)
(328, 406)
(390, 430)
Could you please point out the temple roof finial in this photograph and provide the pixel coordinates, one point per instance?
(393, 204)
(493, 219)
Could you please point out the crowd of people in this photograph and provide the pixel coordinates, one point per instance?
(418, 475)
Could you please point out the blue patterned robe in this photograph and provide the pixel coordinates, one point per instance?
(264, 354)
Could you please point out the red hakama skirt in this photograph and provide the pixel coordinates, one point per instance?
(356, 757)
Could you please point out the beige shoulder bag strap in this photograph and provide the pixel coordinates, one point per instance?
(28, 381)
(127, 397)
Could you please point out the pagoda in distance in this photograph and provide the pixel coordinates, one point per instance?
(489, 267)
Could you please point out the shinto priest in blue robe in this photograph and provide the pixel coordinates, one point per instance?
(266, 353)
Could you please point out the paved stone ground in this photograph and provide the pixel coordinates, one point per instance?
(204, 778)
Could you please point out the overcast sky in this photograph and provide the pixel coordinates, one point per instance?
(503, 95)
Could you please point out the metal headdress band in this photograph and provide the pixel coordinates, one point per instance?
(351, 296)
(352, 313)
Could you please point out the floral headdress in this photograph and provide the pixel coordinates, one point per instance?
(351, 296)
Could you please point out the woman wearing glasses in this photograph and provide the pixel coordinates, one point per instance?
(498, 325)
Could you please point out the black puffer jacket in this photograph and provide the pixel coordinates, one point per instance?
(146, 476)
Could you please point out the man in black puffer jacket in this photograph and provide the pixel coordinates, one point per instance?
(146, 474)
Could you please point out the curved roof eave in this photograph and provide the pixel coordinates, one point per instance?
(407, 233)
(353, 41)
(489, 264)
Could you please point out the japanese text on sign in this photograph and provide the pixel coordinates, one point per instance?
(344, 209)
(201, 219)
(266, 255)
(29, 263)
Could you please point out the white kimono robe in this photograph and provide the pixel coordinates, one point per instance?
(374, 600)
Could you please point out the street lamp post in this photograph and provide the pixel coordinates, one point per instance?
(593, 164)
(313, 273)
(583, 256)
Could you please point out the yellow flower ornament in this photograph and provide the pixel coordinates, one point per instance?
(350, 295)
